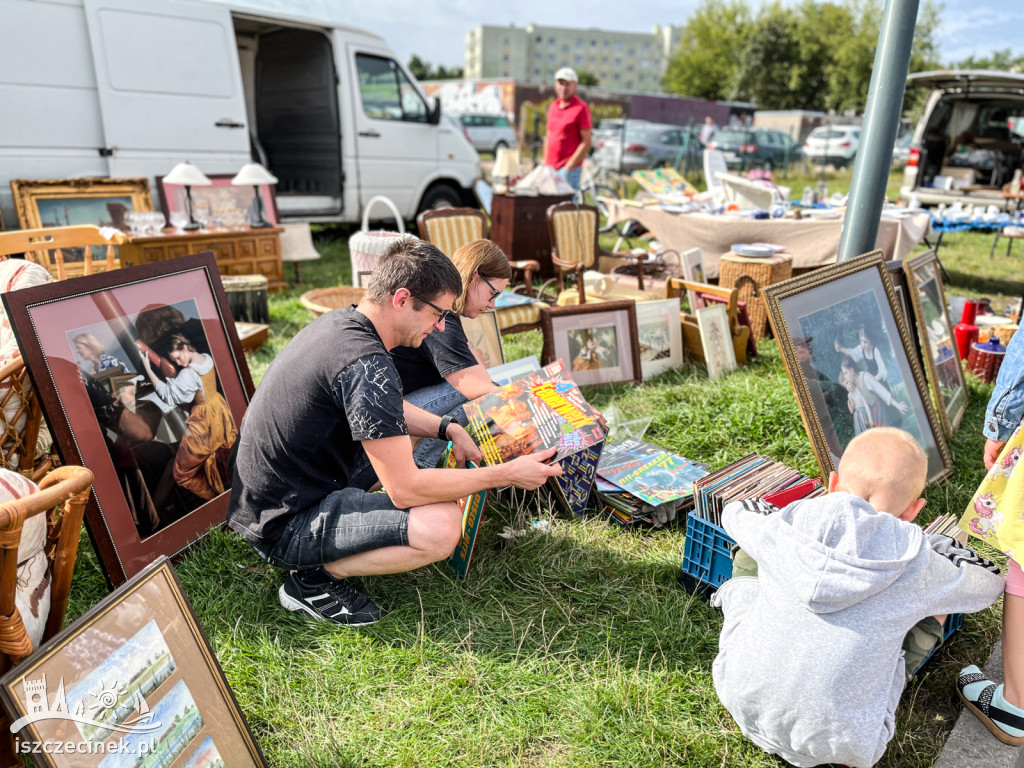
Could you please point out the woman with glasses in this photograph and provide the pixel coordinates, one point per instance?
(443, 373)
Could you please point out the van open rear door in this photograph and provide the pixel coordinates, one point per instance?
(170, 87)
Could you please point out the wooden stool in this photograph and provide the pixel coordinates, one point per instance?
(762, 272)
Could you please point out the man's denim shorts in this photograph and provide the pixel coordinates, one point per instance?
(345, 523)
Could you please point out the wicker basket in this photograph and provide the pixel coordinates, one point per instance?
(763, 272)
(321, 300)
(366, 246)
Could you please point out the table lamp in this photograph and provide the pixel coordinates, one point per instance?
(187, 175)
(256, 174)
(506, 169)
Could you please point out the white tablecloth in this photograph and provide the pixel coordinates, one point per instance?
(811, 242)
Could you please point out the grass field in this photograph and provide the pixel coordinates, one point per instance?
(572, 648)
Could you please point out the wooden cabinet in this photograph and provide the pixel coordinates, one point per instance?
(238, 252)
(519, 226)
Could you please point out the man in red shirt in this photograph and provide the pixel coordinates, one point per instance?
(569, 129)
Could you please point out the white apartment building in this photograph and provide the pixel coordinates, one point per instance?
(633, 61)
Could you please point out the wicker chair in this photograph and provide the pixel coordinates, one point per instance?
(54, 241)
(61, 499)
(20, 423)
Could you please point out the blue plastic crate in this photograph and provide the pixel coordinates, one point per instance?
(954, 621)
(707, 555)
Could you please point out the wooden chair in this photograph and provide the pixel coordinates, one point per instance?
(691, 332)
(20, 421)
(451, 228)
(54, 241)
(60, 499)
(573, 229)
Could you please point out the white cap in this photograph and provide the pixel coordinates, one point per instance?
(566, 73)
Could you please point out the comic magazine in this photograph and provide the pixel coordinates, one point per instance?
(542, 410)
(649, 473)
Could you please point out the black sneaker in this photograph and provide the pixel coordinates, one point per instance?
(327, 599)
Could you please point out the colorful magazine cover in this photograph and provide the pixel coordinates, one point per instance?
(649, 473)
(472, 507)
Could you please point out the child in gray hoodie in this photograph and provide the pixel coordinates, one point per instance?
(811, 660)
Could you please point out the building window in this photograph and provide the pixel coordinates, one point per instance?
(552, 41)
(618, 61)
(646, 47)
(616, 77)
(618, 46)
(631, 52)
(565, 48)
(644, 63)
(593, 43)
(579, 42)
(540, 39)
(578, 60)
(551, 57)
(629, 83)
(506, 41)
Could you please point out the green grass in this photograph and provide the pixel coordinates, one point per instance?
(571, 648)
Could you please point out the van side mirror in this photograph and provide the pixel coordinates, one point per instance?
(434, 116)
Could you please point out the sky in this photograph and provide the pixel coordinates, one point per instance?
(435, 30)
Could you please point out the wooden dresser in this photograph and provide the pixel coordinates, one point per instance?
(238, 252)
(519, 226)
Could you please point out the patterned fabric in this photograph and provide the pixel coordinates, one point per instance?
(994, 512)
(32, 595)
(15, 274)
(524, 314)
(574, 236)
(449, 233)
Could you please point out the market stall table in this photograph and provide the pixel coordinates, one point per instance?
(812, 242)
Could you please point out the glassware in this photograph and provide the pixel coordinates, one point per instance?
(178, 220)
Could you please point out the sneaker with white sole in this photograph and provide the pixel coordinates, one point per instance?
(985, 699)
(325, 598)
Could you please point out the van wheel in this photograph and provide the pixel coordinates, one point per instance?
(500, 145)
(440, 196)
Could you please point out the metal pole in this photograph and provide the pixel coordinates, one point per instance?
(881, 119)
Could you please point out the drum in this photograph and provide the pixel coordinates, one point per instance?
(985, 358)
(247, 297)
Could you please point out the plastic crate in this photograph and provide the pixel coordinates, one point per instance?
(707, 556)
(954, 621)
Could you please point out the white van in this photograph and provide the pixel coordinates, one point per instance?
(969, 142)
(129, 88)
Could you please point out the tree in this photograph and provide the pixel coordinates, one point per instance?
(587, 78)
(766, 64)
(418, 67)
(1002, 59)
(706, 62)
(422, 70)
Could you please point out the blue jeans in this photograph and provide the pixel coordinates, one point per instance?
(441, 400)
(573, 176)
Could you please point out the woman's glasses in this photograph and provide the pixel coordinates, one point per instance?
(495, 293)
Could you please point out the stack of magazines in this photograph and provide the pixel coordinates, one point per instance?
(751, 477)
(636, 479)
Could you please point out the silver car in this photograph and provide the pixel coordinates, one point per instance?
(647, 145)
(487, 132)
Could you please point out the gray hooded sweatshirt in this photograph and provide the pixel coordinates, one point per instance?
(810, 661)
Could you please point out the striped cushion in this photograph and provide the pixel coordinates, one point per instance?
(521, 314)
(575, 236)
(449, 233)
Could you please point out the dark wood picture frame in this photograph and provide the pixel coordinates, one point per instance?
(131, 442)
(827, 307)
(621, 348)
(147, 633)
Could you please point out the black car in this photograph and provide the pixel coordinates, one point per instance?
(755, 148)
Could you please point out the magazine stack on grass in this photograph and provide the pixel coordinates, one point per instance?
(635, 478)
(472, 507)
(542, 410)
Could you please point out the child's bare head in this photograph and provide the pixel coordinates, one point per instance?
(887, 468)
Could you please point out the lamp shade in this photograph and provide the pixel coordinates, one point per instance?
(506, 165)
(187, 174)
(254, 173)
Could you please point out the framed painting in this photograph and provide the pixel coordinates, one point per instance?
(850, 359)
(214, 202)
(935, 330)
(716, 340)
(157, 431)
(69, 202)
(899, 284)
(693, 271)
(599, 341)
(514, 369)
(133, 682)
(660, 336)
(484, 338)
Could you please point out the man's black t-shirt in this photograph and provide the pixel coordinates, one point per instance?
(331, 387)
(440, 355)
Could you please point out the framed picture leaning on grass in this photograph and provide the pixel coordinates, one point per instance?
(660, 335)
(850, 359)
(598, 342)
(938, 347)
(142, 379)
(133, 682)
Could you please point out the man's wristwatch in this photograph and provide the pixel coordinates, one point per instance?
(442, 431)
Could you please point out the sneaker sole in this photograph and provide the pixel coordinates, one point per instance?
(289, 603)
(999, 733)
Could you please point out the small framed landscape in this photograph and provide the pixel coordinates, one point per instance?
(660, 336)
(598, 341)
(935, 330)
(142, 378)
(133, 683)
(484, 338)
(850, 359)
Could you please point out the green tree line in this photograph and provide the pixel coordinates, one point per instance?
(814, 55)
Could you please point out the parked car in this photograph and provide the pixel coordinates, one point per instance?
(647, 145)
(755, 148)
(969, 140)
(488, 133)
(832, 145)
(608, 128)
